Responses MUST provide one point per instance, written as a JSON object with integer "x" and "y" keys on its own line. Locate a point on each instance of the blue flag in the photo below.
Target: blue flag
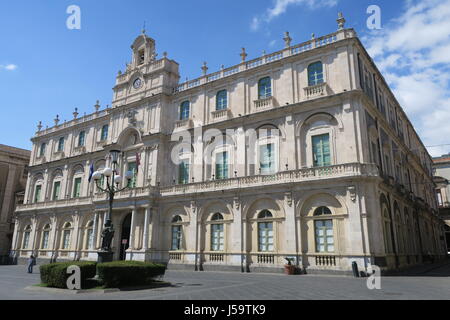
{"x": 91, "y": 172}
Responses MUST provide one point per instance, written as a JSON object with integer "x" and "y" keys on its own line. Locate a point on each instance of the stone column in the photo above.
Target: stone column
{"x": 76, "y": 230}
{"x": 54, "y": 235}
{"x": 290, "y": 235}
{"x": 33, "y": 234}
{"x": 147, "y": 228}
{"x": 94, "y": 232}
{"x": 236, "y": 233}
{"x": 133, "y": 229}
{"x": 15, "y": 237}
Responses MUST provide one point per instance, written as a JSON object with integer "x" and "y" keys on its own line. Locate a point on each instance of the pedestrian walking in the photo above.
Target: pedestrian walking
{"x": 31, "y": 263}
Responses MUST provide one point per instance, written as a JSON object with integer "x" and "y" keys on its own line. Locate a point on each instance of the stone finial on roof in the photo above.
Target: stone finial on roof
{"x": 75, "y": 113}
{"x": 243, "y": 55}
{"x": 39, "y": 126}
{"x": 341, "y": 21}
{"x": 165, "y": 54}
{"x": 204, "y": 68}
{"x": 56, "y": 120}
{"x": 313, "y": 36}
{"x": 287, "y": 39}
{"x": 97, "y": 106}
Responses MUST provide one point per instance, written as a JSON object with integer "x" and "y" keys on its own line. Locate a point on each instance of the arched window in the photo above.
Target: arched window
{"x": 184, "y": 110}
{"x": 323, "y": 230}
{"x": 221, "y": 100}
{"x": 61, "y": 144}
{"x": 45, "y": 236}
{"x": 315, "y": 73}
{"x": 387, "y": 231}
{"x": 264, "y": 88}
{"x": 265, "y": 232}
{"x": 90, "y": 235}
{"x": 37, "y": 193}
{"x": 104, "y": 133}
{"x": 268, "y": 149}
{"x": 217, "y": 233}
{"x": 42, "y": 149}
{"x": 26, "y": 237}
{"x": 177, "y": 232}
{"x": 66, "y": 236}
{"x": 81, "y": 138}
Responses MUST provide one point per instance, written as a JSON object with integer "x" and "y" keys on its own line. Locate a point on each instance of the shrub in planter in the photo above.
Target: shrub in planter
{"x": 55, "y": 274}
{"x": 129, "y": 273}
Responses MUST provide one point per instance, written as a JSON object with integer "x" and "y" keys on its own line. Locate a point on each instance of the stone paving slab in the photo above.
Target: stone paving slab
{"x": 191, "y": 285}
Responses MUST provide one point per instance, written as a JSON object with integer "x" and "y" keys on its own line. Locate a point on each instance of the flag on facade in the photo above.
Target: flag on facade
{"x": 91, "y": 171}
{"x": 138, "y": 161}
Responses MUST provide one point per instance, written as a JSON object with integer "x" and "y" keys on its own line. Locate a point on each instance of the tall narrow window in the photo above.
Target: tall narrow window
{"x": 183, "y": 172}
{"x": 264, "y": 88}
{"x": 321, "y": 150}
{"x": 221, "y": 100}
{"x": 56, "y": 190}
{"x": 315, "y": 74}
{"x": 61, "y": 144}
{"x": 217, "y": 234}
{"x": 26, "y": 237}
{"x": 37, "y": 193}
{"x": 265, "y": 232}
{"x": 222, "y": 165}
{"x": 104, "y": 132}
{"x": 323, "y": 231}
{"x": 141, "y": 56}
{"x": 81, "y": 138}
{"x": 45, "y": 236}
{"x": 66, "y": 239}
{"x": 184, "y": 110}
{"x": 77, "y": 188}
{"x": 267, "y": 158}
{"x": 132, "y": 168}
{"x": 42, "y": 150}
{"x": 176, "y": 233}
{"x": 90, "y": 235}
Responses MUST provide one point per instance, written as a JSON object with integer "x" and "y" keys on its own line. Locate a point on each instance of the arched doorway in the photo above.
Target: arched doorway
{"x": 125, "y": 236}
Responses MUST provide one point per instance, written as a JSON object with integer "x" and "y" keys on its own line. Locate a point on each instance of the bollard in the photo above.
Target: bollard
{"x": 355, "y": 269}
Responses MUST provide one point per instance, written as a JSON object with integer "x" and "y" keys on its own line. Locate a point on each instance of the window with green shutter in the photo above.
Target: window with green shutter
{"x": 222, "y": 165}
{"x": 217, "y": 237}
{"x": 56, "y": 190}
{"x": 61, "y": 144}
{"x": 324, "y": 236}
{"x": 132, "y": 168}
{"x": 37, "y": 193}
{"x": 81, "y": 138}
{"x": 321, "y": 150}
{"x": 77, "y": 188}
{"x": 183, "y": 172}
{"x": 104, "y": 133}
{"x": 176, "y": 238}
{"x": 221, "y": 100}
{"x": 265, "y": 236}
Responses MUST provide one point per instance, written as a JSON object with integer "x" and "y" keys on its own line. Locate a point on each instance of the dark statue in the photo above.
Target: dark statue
{"x": 107, "y": 235}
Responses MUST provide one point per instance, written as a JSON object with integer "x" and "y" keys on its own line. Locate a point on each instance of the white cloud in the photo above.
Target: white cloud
{"x": 280, "y": 7}
{"x": 413, "y": 53}
{"x": 9, "y": 67}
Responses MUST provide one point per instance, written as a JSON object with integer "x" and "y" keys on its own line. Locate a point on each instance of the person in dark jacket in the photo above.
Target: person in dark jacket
{"x": 31, "y": 263}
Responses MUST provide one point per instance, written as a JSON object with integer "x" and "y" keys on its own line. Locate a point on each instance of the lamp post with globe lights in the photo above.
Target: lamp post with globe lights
{"x": 113, "y": 181}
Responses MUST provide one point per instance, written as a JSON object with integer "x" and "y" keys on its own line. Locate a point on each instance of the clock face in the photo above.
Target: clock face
{"x": 137, "y": 83}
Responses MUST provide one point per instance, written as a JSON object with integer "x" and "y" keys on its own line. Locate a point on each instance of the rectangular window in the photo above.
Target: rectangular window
{"x": 66, "y": 239}
{"x": 176, "y": 238}
{"x": 324, "y": 235}
{"x": 132, "y": 168}
{"x": 37, "y": 193}
{"x": 104, "y": 133}
{"x": 321, "y": 150}
{"x": 222, "y": 165}
{"x": 265, "y": 236}
{"x": 26, "y": 240}
{"x": 61, "y": 144}
{"x": 56, "y": 190}
{"x": 90, "y": 239}
{"x": 81, "y": 139}
{"x": 42, "y": 150}
{"x": 439, "y": 197}
{"x": 183, "y": 172}
{"x": 77, "y": 188}
{"x": 45, "y": 239}
{"x": 217, "y": 238}
{"x": 267, "y": 158}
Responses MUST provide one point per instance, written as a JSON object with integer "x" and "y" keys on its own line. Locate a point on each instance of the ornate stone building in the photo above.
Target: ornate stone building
{"x": 13, "y": 178}
{"x": 442, "y": 175}
{"x": 301, "y": 153}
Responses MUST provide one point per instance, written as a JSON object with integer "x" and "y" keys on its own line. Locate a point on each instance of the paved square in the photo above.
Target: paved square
{"x": 187, "y": 285}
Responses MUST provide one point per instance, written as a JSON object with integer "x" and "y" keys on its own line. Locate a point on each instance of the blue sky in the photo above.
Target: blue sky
{"x": 47, "y": 69}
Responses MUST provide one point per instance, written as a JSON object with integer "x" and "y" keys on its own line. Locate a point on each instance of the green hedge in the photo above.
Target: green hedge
{"x": 55, "y": 274}
{"x": 129, "y": 273}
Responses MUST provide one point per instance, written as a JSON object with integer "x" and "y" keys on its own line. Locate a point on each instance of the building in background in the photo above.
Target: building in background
{"x": 442, "y": 176}
{"x": 13, "y": 178}
{"x": 311, "y": 157}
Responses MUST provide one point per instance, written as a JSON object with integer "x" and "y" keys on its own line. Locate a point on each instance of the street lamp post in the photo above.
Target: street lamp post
{"x": 113, "y": 180}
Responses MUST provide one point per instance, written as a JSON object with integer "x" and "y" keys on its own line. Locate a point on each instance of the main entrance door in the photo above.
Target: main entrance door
{"x": 125, "y": 236}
